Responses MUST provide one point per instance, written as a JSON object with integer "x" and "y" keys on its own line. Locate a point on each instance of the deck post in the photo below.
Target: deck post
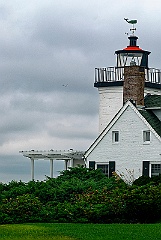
{"x": 32, "y": 169}
{"x": 66, "y": 164}
{"x": 51, "y": 168}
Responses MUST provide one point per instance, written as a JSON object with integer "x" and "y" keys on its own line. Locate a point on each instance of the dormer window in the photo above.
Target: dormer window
{"x": 146, "y": 136}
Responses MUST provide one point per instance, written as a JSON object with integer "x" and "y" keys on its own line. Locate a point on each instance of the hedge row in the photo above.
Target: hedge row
{"x": 81, "y": 195}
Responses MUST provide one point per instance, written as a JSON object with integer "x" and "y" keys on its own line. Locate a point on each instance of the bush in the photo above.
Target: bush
{"x": 143, "y": 180}
{"x": 25, "y": 208}
{"x": 143, "y": 204}
{"x": 81, "y": 173}
{"x": 81, "y": 195}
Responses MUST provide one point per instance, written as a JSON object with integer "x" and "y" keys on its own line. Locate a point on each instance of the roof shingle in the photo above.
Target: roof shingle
{"x": 152, "y": 101}
{"x": 152, "y": 119}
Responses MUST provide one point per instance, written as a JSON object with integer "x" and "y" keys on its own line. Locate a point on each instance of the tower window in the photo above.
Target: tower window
{"x": 146, "y": 136}
{"x": 115, "y": 136}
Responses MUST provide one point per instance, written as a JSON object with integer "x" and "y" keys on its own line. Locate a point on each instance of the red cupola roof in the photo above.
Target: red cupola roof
{"x": 135, "y": 48}
{"x": 132, "y": 46}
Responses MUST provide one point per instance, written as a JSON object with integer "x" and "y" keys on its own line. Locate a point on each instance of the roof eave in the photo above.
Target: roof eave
{"x": 153, "y": 108}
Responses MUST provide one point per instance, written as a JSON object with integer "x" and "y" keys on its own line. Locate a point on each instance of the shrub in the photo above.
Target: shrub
{"x": 143, "y": 204}
{"x": 25, "y": 208}
{"x": 81, "y": 195}
{"x": 143, "y": 180}
{"x": 81, "y": 173}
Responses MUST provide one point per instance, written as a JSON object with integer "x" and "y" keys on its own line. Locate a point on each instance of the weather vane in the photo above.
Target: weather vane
{"x": 133, "y": 29}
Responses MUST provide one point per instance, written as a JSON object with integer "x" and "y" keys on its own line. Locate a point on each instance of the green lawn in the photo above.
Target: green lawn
{"x": 64, "y": 231}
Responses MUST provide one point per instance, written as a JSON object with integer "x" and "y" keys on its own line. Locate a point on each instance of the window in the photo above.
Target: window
{"x": 155, "y": 169}
{"x": 115, "y": 136}
{"x": 92, "y": 164}
{"x": 151, "y": 168}
{"x": 146, "y": 136}
{"x": 104, "y": 168}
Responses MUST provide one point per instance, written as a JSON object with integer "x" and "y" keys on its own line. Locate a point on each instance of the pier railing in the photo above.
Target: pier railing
{"x": 115, "y": 74}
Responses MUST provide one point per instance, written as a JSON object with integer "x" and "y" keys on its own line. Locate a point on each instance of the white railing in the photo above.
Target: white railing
{"x": 115, "y": 74}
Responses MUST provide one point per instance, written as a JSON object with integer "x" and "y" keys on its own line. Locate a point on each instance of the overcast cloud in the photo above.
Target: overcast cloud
{"x": 48, "y": 52}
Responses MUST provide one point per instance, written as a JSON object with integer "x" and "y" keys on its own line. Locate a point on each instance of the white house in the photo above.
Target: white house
{"x": 129, "y": 140}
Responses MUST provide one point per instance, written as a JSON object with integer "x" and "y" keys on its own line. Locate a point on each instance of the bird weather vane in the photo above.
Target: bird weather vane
{"x": 133, "y": 29}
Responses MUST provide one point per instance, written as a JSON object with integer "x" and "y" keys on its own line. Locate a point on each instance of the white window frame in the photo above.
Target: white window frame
{"x": 146, "y": 136}
{"x": 115, "y": 137}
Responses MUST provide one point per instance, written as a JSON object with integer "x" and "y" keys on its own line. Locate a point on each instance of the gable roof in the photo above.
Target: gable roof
{"x": 148, "y": 117}
{"x": 152, "y": 101}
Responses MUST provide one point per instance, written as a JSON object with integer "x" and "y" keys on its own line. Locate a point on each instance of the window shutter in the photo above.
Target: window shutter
{"x": 145, "y": 168}
{"x": 111, "y": 168}
{"x": 92, "y": 164}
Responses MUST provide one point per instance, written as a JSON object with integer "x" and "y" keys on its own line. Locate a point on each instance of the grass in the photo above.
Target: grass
{"x": 64, "y": 231}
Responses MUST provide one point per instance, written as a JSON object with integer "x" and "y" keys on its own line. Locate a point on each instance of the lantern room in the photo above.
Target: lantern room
{"x": 132, "y": 55}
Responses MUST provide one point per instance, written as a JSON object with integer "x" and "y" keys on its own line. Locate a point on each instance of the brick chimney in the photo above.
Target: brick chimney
{"x": 134, "y": 81}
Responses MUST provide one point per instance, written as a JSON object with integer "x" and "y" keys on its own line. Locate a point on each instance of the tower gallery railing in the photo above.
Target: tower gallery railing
{"x": 115, "y": 74}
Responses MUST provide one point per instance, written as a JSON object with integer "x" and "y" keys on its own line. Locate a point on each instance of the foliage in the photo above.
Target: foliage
{"x": 81, "y": 195}
{"x": 143, "y": 180}
{"x": 23, "y": 208}
{"x": 82, "y": 173}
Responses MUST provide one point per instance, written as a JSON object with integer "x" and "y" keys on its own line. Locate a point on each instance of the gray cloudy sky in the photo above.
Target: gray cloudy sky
{"x": 47, "y": 44}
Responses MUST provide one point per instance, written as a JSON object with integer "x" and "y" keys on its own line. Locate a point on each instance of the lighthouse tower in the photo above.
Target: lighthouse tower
{"x": 130, "y": 79}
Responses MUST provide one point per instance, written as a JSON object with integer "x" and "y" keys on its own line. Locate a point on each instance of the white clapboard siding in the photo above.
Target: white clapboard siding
{"x": 110, "y": 101}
